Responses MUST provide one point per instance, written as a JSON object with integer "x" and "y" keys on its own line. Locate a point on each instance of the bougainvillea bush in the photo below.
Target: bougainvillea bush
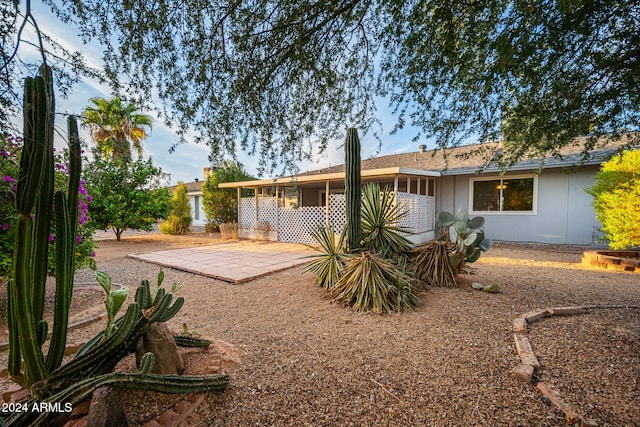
{"x": 10, "y": 151}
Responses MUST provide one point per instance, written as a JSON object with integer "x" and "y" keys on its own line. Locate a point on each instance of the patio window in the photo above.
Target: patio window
{"x": 503, "y": 194}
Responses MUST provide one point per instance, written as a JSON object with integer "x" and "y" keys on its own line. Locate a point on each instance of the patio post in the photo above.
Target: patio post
{"x": 255, "y": 193}
{"x": 278, "y": 211}
{"x": 239, "y": 195}
{"x": 326, "y": 203}
{"x": 418, "y": 187}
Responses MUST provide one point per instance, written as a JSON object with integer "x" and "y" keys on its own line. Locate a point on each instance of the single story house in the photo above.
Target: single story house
{"x": 532, "y": 201}
{"x": 194, "y": 193}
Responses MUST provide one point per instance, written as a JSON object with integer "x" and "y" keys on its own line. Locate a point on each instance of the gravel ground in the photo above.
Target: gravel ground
{"x": 308, "y": 361}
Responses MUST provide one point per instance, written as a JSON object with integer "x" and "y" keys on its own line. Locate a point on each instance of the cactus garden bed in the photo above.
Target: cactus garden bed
{"x": 306, "y": 361}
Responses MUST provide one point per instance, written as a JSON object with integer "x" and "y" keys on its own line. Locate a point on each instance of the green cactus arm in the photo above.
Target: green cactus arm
{"x": 147, "y": 362}
{"x": 171, "y": 311}
{"x": 64, "y": 281}
{"x": 44, "y": 199}
{"x": 21, "y": 302}
{"x": 13, "y": 364}
{"x": 31, "y": 171}
{"x": 143, "y": 295}
{"x": 191, "y": 341}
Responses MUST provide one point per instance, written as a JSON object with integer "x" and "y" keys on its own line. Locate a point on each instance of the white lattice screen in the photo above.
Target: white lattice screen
{"x": 247, "y": 215}
{"x": 267, "y": 213}
{"x": 296, "y": 224}
{"x": 337, "y": 211}
{"x": 421, "y": 210}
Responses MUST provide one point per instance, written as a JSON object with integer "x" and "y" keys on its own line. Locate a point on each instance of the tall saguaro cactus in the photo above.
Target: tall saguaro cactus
{"x": 352, "y": 184}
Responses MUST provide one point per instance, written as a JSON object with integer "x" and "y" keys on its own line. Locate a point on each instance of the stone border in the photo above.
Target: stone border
{"x": 529, "y": 362}
{"x": 614, "y": 260}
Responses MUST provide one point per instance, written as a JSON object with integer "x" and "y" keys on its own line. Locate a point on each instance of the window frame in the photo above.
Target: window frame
{"x": 534, "y": 207}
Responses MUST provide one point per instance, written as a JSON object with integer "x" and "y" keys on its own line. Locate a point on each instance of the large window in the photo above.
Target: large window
{"x": 503, "y": 194}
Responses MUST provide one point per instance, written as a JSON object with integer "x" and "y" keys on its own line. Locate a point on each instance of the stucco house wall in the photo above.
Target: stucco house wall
{"x": 563, "y": 210}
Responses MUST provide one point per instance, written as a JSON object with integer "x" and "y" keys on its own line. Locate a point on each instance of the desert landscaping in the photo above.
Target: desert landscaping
{"x": 296, "y": 358}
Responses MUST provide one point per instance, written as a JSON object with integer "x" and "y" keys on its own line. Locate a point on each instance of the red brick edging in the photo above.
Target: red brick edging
{"x": 529, "y": 362}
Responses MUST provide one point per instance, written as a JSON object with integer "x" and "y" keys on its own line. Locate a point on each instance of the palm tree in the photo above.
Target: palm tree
{"x": 115, "y": 127}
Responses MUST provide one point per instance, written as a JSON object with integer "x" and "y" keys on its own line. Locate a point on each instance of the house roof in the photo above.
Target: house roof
{"x": 463, "y": 160}
{"x": 329, "y": 176}
{"x": 192, "y": 187}
{"x": 468, "y": 159}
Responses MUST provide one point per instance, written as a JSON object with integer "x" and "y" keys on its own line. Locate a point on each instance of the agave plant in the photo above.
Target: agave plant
{"x": 380, "y": 219}
{"x": 370, "y": 282}
{"x": 331, "y": 259}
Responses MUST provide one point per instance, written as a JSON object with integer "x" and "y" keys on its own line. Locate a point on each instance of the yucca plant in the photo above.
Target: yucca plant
{"x": 430, "y": 263}
{"x": 380, "y": 219}
{"x": 369, "y": 282}
{"x": 331, "y": 259}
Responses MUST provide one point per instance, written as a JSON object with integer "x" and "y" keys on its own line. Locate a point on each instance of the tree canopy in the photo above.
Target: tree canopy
{"x": 126, "y": 195}
{"x": 279, "y": 79}
{"x": 220, "y": 205}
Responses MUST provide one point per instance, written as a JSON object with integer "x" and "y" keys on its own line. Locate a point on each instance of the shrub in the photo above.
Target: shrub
{"x": 179, "y": 219}
{"x": 616, "y": 194}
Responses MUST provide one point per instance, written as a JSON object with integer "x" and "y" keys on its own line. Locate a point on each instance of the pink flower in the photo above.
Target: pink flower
{"x": 51, "y": 238}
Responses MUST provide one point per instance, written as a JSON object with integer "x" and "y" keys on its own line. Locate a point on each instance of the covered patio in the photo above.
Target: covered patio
{"x": 288, "y": 209}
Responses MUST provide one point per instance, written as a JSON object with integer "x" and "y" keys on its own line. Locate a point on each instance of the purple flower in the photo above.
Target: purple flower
{"x": 8, "y": 179}
{"x": 51, "y": 238}
{"x": 5, "y": 227}
{"x": 93, "y": 254}
{"x": 78, "y": 239}
{"x": 89, "y": 199}
{"x": 4, "y": 153}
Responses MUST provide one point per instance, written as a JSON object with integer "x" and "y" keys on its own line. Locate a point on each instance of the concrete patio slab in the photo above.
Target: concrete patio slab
{"x": 235, "y": 262}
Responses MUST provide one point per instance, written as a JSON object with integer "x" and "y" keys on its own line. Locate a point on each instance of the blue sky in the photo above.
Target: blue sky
{"x": 187, "y": 161}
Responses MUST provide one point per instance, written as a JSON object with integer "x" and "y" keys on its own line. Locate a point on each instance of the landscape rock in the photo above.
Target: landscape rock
{"x": 107, "y": 409}
{"x": 159, "y": 341}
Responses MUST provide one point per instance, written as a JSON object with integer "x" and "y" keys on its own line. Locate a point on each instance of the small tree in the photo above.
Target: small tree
{"x": 616, "y": 194}
{"x": 179, "y": 219}
{"x": 220, "y": 205}
{"x": 126, "y": 195}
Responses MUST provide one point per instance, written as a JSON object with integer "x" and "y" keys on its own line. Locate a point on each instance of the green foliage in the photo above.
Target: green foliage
{"x": 113, "y": 300}
{"x": 378, "y": 279}
{"x": 329, "y": 263}
{"x": 179, "y": 219}
{"x": 616, "y": 194}
{"x": 10, "y": 154}
{"x": 115, "y": 127}
{"x": 352, "y": 190}
{"x": 380, "y": 217}
{"x": 487, "y": 68}
{"x": 126, "y": 195}
{"x": 220, "y": 205}
{"x": 369, "y": 282}
{"x": 466, "y": 234}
